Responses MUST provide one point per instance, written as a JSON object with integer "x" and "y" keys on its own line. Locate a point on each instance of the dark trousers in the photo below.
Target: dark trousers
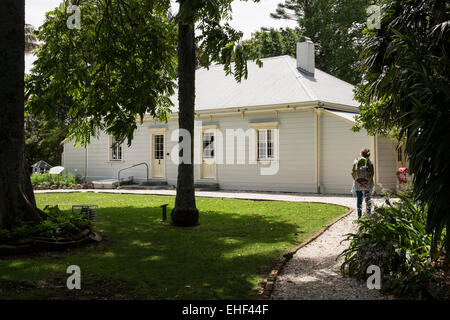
{"x": 359, "y": 200}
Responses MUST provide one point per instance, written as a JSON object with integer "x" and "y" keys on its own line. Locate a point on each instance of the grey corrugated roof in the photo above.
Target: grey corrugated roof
{"x": 277, "y": 82}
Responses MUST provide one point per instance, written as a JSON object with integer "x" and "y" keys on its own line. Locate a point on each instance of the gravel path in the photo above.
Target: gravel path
{"x": 313, "y": 272}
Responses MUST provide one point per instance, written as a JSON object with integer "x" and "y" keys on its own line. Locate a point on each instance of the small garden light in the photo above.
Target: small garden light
{"x": 164, "y": 212}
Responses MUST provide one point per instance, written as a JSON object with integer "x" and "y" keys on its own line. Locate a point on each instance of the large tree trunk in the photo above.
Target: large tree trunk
{"x": 185, "y": 212}
{"x": 16, "y": 195}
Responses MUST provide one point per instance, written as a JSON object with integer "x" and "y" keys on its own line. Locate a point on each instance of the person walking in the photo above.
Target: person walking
{"x": 362, "y": 174}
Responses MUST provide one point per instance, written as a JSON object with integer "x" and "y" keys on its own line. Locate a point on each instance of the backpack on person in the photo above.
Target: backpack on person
{"x": 362, "y": 171}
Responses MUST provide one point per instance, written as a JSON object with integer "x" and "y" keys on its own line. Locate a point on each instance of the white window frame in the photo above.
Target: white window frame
{"x": 267, "y": 145}
{"x": 267, "y": 126}
{"x": 118, "y": 148}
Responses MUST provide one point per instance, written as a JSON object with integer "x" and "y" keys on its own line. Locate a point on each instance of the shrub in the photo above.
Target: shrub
{"x": 57, "y": 224}
{"x": 49, "y": 179}
{"x": 68, "y": 180}
{"x": 79, "y": 179}
{"x": 41, "y": 178}
{"x": 395, "y": 239}
{"x": 35, "y": 179}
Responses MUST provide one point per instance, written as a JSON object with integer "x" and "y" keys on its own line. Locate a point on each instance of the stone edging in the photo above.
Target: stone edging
{"x": 268, "y": 283}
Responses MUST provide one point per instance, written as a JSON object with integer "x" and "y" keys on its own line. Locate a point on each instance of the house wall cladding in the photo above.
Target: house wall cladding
{"x": 387, "y": 165}
{"x": 99, "y": 164}
{"x": 338, "y": 148}
{"x": 73, "y": 159}
{"x": 295, "y": 161}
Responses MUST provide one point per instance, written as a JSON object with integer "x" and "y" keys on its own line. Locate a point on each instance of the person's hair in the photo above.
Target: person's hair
{"x": 365, "y": 152}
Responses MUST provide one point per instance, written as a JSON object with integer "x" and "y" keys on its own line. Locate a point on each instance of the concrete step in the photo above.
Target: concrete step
{"x": 201, "y": 186}
{"x": 206, "y": 186}
{"x": 141, "y": 187}
{"x": 154, "y": 183}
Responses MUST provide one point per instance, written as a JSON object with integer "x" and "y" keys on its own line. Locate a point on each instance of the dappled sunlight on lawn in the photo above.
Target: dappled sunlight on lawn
{"x": 224, "y": 257}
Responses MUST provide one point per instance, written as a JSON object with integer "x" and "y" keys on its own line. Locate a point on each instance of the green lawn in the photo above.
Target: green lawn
{"x": 141, "y": 257}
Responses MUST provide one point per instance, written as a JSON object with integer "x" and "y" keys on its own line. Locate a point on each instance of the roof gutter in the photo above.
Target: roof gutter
{"x": 246, "y": 110}
{"x": 339, "y": 107}
{"x": 296, "y": 106}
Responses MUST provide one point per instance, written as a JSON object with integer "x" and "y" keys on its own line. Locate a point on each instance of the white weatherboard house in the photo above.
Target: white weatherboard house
{"x": 287, "y": 118}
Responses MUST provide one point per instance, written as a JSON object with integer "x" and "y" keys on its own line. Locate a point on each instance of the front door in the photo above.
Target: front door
{"x": 158, "y": 156}
{"x": 208, "y": 168}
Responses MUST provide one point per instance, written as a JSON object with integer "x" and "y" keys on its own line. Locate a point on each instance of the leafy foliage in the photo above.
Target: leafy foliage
{"x": 120, "y": 65}
{"x": 44, "y": 134}
{"x": 335, "y": 26}
{"x": 49, "y": 179}
{"x": 405, "y": 91}
{"x": 30, "y": 39}
{"x": 231, "y": 53}
{"x": 271, "y": 42}
{"x": 57, "y": 224}
{"x": 217, "y": 42}
{"x": 393, "y": 238}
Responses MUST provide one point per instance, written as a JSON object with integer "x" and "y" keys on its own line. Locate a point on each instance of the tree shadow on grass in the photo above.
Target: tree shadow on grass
{"x": 222, "y": 258}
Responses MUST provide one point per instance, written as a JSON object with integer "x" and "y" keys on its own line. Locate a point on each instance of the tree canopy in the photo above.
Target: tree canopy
{"x": 271, "y": 42}
{"x": 335, "y": 26}
{"x": 120, "y": 65}
{"x": 44, "y": 134}
{"x": 405, "y": 91}
{"x": 123, "y": 63}
{"x": 30, "y": 39}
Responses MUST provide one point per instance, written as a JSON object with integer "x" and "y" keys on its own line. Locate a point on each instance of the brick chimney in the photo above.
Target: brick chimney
{"x": 305, "y": 55}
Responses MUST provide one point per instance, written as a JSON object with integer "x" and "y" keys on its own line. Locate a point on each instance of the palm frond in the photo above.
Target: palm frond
{"x": 31, "y": 40}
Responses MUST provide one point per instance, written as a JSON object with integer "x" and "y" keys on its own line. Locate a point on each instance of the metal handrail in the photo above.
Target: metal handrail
{"x": 139, "y": 164}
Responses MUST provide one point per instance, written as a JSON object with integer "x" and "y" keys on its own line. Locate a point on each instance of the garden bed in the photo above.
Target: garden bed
{"x": 46, "y": 181}
{"x": 56, "y": 187}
